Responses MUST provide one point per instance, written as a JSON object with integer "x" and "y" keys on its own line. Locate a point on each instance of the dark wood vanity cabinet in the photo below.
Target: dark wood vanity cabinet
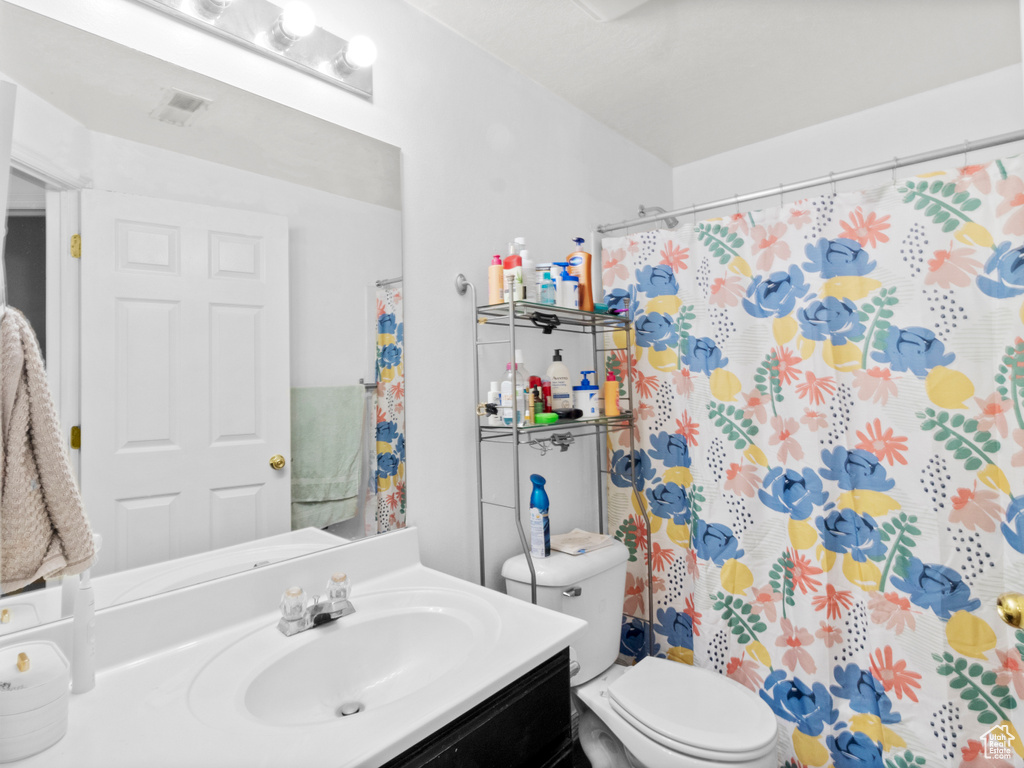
{"x": 525, "y": 725}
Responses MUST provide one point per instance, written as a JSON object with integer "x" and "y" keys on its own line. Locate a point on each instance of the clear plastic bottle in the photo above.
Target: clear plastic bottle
{"x": 513, "y": 396}
{"x": 547, "y": 290}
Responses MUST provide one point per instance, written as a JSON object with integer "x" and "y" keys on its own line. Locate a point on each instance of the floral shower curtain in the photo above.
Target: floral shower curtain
{"x": 389, "y": 478}
{"x": 830, "y": 401}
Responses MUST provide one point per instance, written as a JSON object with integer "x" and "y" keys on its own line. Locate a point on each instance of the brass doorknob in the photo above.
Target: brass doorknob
{"x": 277, "y": 461}
{"x": 1010, "y": 605}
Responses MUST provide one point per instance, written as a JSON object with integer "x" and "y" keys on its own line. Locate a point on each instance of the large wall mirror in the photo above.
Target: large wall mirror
{"x": 231, "y": 341}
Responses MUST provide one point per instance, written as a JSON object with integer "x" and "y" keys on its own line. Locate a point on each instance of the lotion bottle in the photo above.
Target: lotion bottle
{"x": 561, "y": 387}
{"x": 495, "y": 280}
{"x": 83, "y": 651}
{"x": 579, "y": 266}
{"x": 529, "y": 277}
{"x": 611, "y": 396}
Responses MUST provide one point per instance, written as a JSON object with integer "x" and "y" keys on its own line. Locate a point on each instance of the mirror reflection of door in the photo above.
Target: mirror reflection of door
{"x": 184, "y": 376}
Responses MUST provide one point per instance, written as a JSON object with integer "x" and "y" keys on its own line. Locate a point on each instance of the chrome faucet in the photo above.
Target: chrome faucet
{"x": 298, "y": 616}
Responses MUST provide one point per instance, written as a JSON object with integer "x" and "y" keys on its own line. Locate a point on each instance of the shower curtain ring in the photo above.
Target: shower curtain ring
{"x": 832, "y": 181}
{"x": 693, "y": 212}
{"x": 966, "y": 147}
{"x": 736, "y": 200}
{"x": 782, "y": 202}
{"x": 895, "y": 165}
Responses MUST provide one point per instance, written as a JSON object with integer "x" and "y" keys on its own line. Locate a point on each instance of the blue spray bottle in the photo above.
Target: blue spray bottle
{"x": 540, "y": 527}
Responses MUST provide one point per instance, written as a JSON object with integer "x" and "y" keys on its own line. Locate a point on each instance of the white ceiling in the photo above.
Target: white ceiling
{"x": 112, "y": 89}
{"x": 687, "y": 79}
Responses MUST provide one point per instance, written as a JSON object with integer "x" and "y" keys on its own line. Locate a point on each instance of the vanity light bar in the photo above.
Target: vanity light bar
{"x": 256, "y": 25}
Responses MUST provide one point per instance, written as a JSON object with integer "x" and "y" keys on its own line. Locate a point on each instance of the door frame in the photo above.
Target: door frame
{"x": 63, "y": 284}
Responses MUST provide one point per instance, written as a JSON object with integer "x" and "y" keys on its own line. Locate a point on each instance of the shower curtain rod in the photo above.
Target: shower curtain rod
{"x": 389, "y": 281}
{"x": 866, "y": 170}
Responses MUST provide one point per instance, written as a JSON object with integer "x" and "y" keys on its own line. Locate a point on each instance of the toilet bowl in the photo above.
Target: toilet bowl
{"x": 657, "y": 713}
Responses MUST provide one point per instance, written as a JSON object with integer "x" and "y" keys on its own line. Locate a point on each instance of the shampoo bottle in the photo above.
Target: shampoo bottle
{"x": 494, "y": 396}
{"x": 579, "y": 266}
{"x": 611, "y": 396}
{"x": 561, "y": 388}
{"x": 514, "y": 279}
{"x": 512, "y": 398}
{"x": 586, "y": 395}
{"x": 540, "y": 525}
{"x": 495, "y": 279}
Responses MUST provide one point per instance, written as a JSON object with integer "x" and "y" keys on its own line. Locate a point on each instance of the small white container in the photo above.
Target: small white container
{"x": 34, "y": 702}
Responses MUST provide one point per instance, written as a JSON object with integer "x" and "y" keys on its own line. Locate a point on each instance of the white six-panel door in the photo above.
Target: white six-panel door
{"x": 185, "y": 376}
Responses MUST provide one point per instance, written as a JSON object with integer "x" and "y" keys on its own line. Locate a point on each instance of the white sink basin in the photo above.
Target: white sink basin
{"x": 395, "y": 645}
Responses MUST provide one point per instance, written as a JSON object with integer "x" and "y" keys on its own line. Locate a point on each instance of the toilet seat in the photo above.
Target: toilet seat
{"x": 694, "y": 711}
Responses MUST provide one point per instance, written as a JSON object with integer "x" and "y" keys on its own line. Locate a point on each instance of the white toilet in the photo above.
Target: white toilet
{"x": 658, "y": 713}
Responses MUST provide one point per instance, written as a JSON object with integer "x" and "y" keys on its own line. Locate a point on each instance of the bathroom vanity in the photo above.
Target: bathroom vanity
{"x": 429, "y": 671}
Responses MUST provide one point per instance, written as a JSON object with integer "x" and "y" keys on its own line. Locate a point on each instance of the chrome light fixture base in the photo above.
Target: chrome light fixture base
{"x": 252, "y": 24}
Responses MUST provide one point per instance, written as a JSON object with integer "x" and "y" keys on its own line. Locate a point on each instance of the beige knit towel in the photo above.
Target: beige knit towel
{"x": 43, "y": 530}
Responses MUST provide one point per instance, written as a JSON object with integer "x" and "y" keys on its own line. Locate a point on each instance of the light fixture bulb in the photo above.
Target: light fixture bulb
{"x": 297, "y": 20}
{"x": 361, "y": 52}
{"x": 211, "y": 9}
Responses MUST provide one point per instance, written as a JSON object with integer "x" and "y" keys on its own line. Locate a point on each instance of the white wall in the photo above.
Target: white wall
{"x": 976, "y": 108}
{"x": 487, "y": 155}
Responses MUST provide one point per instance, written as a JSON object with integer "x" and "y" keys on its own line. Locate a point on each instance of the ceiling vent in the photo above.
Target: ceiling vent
{"x": 178, "y": 107}
{"x": 607, "y": 10}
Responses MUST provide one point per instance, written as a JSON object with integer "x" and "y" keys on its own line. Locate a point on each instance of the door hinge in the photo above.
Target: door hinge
{"x": 76, "y": 438}
{"x": 76, "y": 246}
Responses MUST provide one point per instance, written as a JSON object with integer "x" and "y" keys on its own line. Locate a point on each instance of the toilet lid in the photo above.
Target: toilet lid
{"x": 684, "y": 707}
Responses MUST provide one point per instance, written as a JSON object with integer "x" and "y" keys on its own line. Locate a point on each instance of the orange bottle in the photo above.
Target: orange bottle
{"x": 579, "y": 266}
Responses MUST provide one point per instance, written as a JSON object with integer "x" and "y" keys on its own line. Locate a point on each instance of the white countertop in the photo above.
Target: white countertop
{"x": 139, "y": 713}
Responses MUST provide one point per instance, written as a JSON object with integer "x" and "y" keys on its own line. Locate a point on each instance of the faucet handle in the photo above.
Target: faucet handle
{"x": 293, "y": 604}
{"x": 338, "y": 587}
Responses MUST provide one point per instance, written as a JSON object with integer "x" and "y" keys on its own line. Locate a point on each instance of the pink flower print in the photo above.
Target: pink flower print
{"x": 636, "y": 589}
{"x": 1011, "y": 670}
{"x": 645, "y": 411}
{"x": 787, "y": 365}
{"x": 866, "y": 230}
{"x": 614, "y": 268}
{"x": 794, "y": 639}
{"x": 783, "y": 436}
{"x": 893, "y": 610}
{"x": 765, "y": 599}
{"x": 1018, "y": 457}
{"x": 695, "y": 616}
{"x": 952, "y": 267}
{"x": 688, "y": 429}
{"x": 633, "y": 247}
{"x": 875, "y": 384}
{"x": 829, "y": 635}
{"x": 815, "y": 388}
{"x": 692, "y": 566}
{"x": 976, "y": 509}
{"x": 974, "y": 757}
{"x": 745, "y": 671}
{"x": 674, "y": 256}
{"x": 976, "y": 176}
{"x": 726, "y": 291}
{"x": 766, "y": 242}
{"x": 798, "y": 217}
{"x": 814, "y": 420}
{"x": 754, "y": 406}
{"x": 894, "y": 675}
{"x": 1012, "y": 190}
{"x": 992, "y": 409}
{"x": 742, "y": 479}
{"x": 683, "y": 382}
{"x": 738, "y": 221}
{"x": 885, "y": 445}
{"x": 832, "y": 602}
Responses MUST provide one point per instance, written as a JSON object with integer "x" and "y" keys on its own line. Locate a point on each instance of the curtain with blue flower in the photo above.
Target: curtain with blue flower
{"x": 389, "y": 476}
{"x": 830, "y": 431}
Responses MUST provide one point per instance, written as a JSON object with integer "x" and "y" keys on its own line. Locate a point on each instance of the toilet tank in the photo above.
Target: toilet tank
{"x": 600, "y": 577}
